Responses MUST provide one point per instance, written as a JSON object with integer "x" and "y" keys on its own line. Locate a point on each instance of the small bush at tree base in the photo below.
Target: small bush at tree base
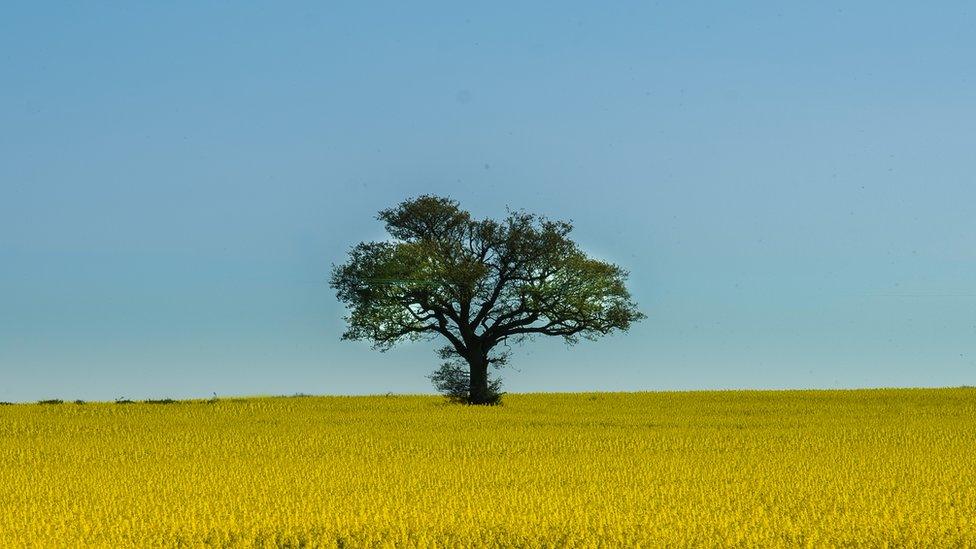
{"x": 453, "y": 381}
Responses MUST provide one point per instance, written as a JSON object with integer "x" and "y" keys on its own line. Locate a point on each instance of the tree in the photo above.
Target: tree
{"x": 477, "y": 284}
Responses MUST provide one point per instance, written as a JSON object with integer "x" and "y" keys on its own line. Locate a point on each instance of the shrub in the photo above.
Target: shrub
{"x": 452, "y": 380}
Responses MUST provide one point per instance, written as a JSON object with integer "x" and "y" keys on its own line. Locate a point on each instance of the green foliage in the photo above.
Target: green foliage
{"x": 477, "y": 283}
{"x": 453, "y": 380}
{"x": 51, "y": 401}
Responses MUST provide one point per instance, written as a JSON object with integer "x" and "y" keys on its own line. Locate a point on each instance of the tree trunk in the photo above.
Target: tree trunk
{"x": 478, "y": 389}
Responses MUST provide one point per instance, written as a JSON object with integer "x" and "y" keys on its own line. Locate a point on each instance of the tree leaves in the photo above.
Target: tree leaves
{"x": 477, "y": 282}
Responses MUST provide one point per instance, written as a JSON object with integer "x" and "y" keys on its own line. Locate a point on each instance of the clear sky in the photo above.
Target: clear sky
{"x": 791, "y": 186}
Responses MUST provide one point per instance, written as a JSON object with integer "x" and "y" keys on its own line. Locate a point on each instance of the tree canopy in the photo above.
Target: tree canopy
{"x": 477, "y": 284}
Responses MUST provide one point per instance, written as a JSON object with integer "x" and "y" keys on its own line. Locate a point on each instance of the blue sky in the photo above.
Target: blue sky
{"x": 791, "y": 186}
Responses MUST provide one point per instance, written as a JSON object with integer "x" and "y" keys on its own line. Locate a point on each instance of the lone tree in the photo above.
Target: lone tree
{"x": 476, "y": 283}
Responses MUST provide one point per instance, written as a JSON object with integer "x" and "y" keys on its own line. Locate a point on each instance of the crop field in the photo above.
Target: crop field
{"x": 736, "y": 468}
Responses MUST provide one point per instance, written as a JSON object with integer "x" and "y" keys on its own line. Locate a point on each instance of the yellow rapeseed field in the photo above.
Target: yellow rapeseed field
{"x": 739, "y": 468}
